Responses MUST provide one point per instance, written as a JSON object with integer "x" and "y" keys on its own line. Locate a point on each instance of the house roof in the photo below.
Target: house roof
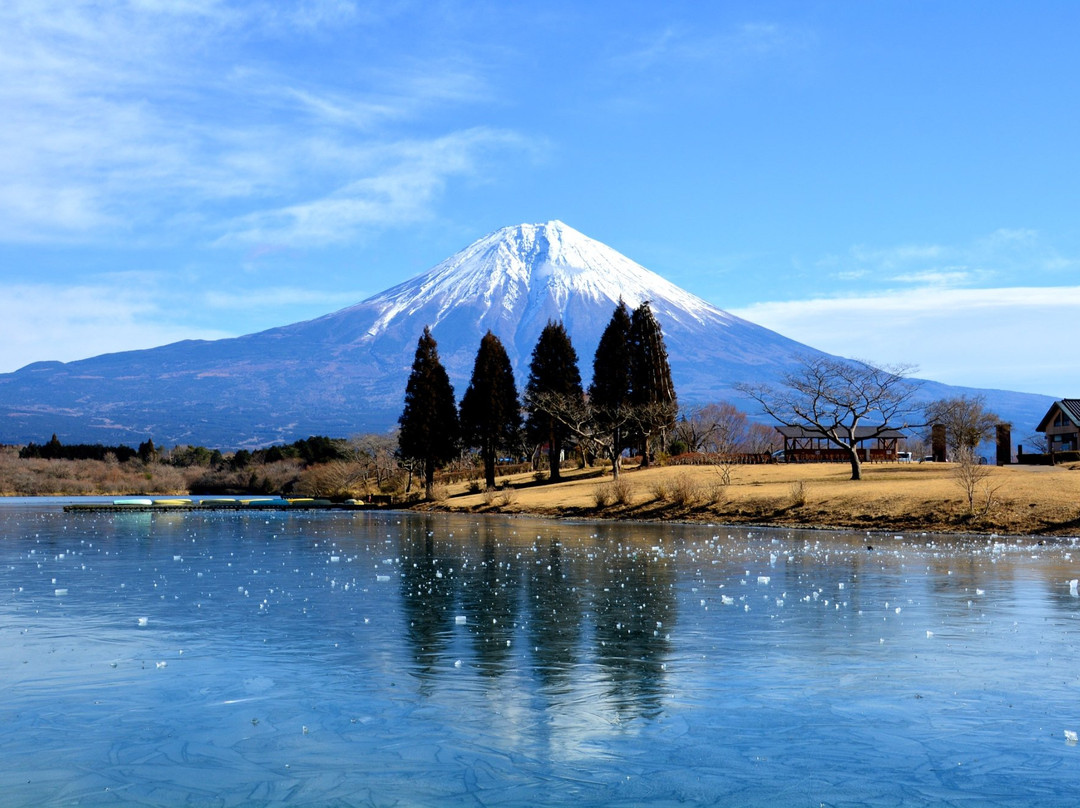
{"x": 861, "y": 432}
{"x": 1069, "y": 406}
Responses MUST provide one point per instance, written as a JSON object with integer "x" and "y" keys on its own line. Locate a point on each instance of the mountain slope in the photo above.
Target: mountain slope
{"x": 345, "y": 372}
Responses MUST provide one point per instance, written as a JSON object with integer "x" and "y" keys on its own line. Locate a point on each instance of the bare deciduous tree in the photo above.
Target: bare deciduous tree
{"x": 966, "y": 420}
{"x": 833, "y": 397}
{"x": 972, "y": 475}
{"x": 595, "y": 436}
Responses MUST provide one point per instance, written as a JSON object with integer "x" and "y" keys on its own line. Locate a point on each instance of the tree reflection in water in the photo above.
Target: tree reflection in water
{"x": 555, "y": 603}
{"x": 427, "y": 594}
{"x": 528, "y": 607}
{"x": 490, "y": 594}
{"x": 634, "y": 611}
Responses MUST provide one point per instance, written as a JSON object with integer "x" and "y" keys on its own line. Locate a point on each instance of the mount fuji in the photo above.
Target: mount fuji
{"x": 345, "y": 372}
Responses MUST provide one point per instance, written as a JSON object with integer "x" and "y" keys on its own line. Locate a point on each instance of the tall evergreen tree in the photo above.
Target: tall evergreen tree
{"x": 429, "y": 422}
{"x": 554, "y": 384}
{"x": 652, "y": 391}
{"x": 610, "y": 390}
{"x": 490, "y": 413}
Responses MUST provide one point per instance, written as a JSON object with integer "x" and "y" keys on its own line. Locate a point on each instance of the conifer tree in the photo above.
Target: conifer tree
{"x": 610, "y": 390}
{"x": 652, "y": 391}
{"x": 554, "y": 385}
{"x": 429, "y": 422}
{"x": 490, "y": 413}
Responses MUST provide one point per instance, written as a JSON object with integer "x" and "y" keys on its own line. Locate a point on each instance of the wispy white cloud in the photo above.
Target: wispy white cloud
{"x": 1002, "y": 258}
{"x": 1007, "y": 338}
{"x": 132, "y": 310}
{"x": 66, "y": 322}
{"x": 948, "y": 276}
{"x": 283, "y": 298}
{"x": 119, "y": 116}
{"x": 398, "y": 188}
{"x": 682, "y": 46}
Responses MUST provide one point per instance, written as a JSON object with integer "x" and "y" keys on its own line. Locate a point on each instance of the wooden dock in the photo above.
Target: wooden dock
{"x": 172, "y": 504}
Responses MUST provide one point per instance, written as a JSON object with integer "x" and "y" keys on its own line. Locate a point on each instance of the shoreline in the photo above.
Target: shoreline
{"x": 1012, "y": 501}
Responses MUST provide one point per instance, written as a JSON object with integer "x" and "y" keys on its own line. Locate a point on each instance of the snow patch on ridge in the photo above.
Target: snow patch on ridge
{"x": 528, "y": 267}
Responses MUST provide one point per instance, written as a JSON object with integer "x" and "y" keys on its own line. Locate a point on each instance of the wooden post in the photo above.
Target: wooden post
{"x": 1004, "y": 444}
{"x": 937, "y": 442}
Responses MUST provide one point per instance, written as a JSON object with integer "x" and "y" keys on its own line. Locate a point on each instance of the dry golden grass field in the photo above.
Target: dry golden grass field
{"x": 1019, "y": 500}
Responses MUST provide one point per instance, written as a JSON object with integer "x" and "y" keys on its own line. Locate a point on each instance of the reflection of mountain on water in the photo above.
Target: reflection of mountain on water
{"x": 531, "y": 610}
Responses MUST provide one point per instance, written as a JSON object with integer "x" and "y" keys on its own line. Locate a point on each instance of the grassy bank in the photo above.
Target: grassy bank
{"x": 1018, "y": 500}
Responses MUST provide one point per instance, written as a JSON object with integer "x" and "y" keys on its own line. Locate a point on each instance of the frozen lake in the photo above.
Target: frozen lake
{"x": 391, "y": 659}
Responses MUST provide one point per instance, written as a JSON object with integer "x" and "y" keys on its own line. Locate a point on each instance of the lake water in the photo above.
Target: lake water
{"x": 392, "y": 659}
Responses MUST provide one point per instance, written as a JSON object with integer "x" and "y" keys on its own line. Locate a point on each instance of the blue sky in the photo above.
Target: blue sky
{"x": 896, "y": 181}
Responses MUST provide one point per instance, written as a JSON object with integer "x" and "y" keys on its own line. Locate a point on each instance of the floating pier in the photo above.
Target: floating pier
{"x": 157, "y": 504}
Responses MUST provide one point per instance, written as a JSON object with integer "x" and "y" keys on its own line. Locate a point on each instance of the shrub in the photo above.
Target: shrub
{"x": 717, "y": 492}
{"x": 798, "y": 493}
{"x": 623, "y": 491}
{"x": 685, "y": 491}
{"x": 603, "y": 495}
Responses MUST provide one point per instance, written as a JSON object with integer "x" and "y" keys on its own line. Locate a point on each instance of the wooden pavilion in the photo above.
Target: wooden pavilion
{"x": 809, "y": 445}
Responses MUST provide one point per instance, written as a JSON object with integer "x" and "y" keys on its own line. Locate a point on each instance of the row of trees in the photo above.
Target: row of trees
{"x": 311, "y": 451}
{"x": 630, "y": 402}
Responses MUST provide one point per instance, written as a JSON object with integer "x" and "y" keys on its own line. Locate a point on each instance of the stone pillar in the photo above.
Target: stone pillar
{"x": 937, "y": 443}
{"x": 1004, "y": 444}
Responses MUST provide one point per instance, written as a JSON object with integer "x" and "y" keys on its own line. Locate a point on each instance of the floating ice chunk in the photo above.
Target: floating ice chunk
{"x": 335, "y": 559}
{"x": 726, "y": 600}
{"x": 1072, "y": 587}
{"x": 460, "y": 620}
{"x": 763, "y": 579}
{"x": 382, "y": 578}
{"x": 457, "y": 663}
{"x": 143, "y": 621}
{"x": 1070, "y": 736}
{"x": 60, "y": 592}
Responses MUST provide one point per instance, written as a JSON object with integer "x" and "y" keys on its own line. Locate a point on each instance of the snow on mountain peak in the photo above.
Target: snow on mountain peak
{"x": 534, "y": 268}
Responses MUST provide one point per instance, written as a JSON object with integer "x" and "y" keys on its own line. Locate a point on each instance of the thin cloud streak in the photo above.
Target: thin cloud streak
{"x": 400, "y": 193}
{"x": 64, "y": 323}
{"x": 976, "y": 337}
{"x": 119, "y": 120}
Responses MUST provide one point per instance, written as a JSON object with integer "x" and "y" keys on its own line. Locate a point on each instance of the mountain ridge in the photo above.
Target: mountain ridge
{"x": 345, "y": 372}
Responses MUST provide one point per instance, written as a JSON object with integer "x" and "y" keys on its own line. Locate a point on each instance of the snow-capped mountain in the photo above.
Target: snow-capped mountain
{"x": 345, "y": 372}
